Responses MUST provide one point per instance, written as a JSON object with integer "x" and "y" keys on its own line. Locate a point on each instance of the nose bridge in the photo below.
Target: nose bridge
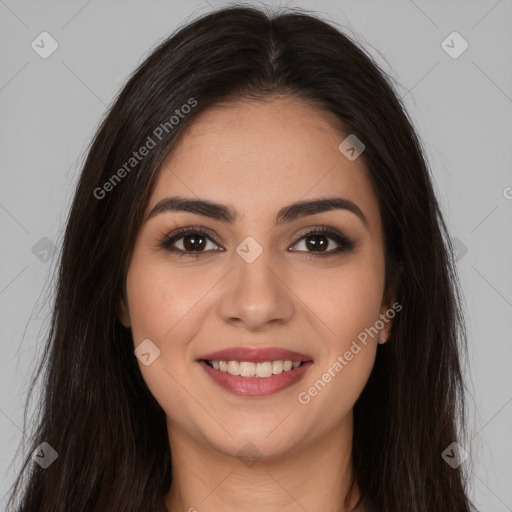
{"x": 255, "y": 268}
{"x": 256, "y": 293}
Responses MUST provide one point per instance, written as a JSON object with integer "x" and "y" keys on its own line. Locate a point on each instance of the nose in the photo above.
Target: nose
{"x": 256, "y": 294}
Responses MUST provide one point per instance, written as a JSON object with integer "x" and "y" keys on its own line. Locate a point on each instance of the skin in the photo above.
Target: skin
{"x": 258, "y": 157}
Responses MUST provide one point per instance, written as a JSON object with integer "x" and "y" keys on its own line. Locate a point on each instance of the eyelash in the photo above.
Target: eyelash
{"x": 345, "y": 244}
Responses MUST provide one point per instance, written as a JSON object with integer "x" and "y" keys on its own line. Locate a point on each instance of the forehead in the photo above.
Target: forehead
{"x": 261, "y": 155}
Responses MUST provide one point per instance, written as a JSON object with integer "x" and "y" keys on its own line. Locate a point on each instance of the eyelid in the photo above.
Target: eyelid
{"x": 344, "y": 242}
{"x": 168, "y": 239}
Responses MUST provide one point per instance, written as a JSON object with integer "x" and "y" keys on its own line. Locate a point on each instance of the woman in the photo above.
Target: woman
{"x": 257, "y": 305}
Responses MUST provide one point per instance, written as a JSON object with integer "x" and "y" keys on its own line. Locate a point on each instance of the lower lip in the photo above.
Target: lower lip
{"x": 256, "y": 386}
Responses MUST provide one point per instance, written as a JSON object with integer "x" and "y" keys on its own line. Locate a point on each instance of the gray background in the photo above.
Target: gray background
{"x": 462, "y": 109}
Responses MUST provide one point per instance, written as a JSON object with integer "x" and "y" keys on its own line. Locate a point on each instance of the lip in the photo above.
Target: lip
{"x": 255, "y": 386}
{"x": 255, "y": 355}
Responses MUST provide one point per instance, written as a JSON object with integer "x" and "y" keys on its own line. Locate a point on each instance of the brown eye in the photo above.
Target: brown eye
{"x": 320, "y": 241}
{"x": 189, "y": 241}
{"x": 195, "y": 242}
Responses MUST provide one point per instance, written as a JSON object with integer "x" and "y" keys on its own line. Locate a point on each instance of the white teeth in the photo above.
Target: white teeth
{"x": 233, "y": 367}
{"x": 264, "y": 369}
{"x": 246, "y": 369}
{"x": 249, "y": 369}
{"x": 277, "y": 367}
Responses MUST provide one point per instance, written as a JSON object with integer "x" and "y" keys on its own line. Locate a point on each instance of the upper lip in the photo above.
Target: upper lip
{"x": 255, "y": 355}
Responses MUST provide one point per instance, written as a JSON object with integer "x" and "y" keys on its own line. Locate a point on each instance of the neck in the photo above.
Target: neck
{"x": 315, "y": 477}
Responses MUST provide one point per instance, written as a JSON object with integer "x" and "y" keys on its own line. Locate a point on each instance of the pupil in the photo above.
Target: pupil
{"x": 193, "y": 242}
{"x": 321, "y": 242}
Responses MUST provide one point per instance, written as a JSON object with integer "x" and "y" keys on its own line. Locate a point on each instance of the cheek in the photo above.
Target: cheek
{"x": 166, "y": 308}
{"x": 161, "y": 301}
{"x": 346, "y": 300}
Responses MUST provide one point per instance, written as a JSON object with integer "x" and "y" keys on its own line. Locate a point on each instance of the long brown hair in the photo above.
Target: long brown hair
{"x": 96, "y": 410}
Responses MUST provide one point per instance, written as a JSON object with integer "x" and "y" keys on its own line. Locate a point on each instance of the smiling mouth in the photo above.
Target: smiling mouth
{"x": 259, "y": 370}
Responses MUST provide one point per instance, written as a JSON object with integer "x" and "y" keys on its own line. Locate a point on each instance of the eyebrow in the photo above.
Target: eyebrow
{"x": 228, "y": 214}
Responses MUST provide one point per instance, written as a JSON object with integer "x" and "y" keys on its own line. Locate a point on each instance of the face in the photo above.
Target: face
{"x": 260, "y": 283}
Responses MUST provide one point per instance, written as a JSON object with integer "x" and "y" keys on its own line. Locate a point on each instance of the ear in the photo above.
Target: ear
{"x": 389, "y": 303}
{"x": 386, "y": 330}
{"x": 123, "y": 313}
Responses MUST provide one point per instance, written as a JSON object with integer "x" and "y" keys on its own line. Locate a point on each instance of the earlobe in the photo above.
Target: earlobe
{"x": 389, "y": 303}
{"x": 383, "y": 335}
{"x": 386, "y": 329}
